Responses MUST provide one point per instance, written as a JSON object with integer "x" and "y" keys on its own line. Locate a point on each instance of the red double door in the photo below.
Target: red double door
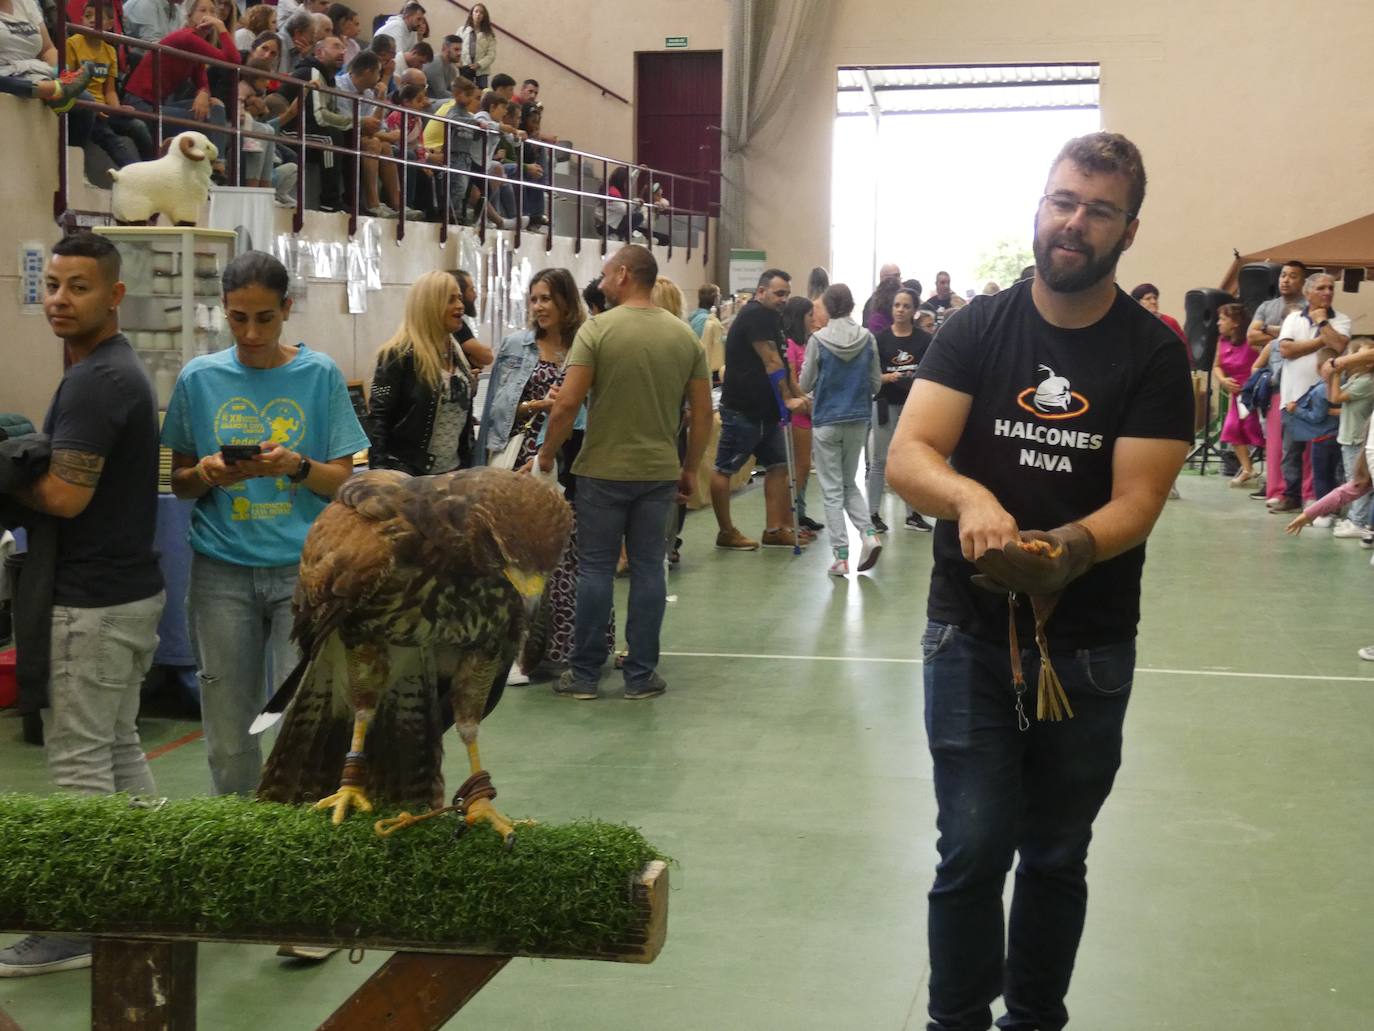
{"x": 677, "y": 119}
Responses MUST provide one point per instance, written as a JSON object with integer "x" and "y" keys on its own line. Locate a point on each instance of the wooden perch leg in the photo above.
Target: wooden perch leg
{"x": 414, "y": 991}
{"x": 143, "y": 985}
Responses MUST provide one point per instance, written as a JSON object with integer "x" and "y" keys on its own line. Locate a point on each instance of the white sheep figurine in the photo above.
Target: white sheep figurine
{"x": 174, "y": 185}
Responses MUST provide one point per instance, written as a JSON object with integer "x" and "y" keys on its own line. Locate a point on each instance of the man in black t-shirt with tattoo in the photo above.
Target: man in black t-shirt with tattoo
{"x": 1052, "y": 417}
{"x": 107, "y": 591}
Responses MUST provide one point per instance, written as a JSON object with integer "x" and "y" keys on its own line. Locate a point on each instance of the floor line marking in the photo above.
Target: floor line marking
{"x": 1163, "y": 671}
{"x": 171, "y": 746}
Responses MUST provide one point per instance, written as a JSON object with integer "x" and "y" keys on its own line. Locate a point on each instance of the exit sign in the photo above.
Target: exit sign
{"x": 675, "y": 42}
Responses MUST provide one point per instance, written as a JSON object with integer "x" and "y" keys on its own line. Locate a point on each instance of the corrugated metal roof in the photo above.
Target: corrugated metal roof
{"x": 948, "y": 88}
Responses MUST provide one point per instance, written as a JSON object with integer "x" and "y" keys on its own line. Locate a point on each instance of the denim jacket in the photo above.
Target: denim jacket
{"x": 510, "y": 372}
{"x": 841, "y": 367}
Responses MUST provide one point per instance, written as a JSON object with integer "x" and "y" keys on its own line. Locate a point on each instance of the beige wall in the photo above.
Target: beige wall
{"x": 1247, "y": 134}
{"x": 599, "y": 40}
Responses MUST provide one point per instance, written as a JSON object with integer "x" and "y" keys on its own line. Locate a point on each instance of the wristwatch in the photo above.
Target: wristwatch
{"x": 300, "y": 474}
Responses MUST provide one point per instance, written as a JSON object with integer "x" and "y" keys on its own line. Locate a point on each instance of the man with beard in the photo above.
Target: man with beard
{"x": 1044, "y": 429}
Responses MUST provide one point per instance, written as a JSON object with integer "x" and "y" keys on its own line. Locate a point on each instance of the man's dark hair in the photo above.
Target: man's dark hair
{"x": 838, "y": 301}
{"x": 638, "y": 264}
{"x": 1295, "y": 264}
{"x": 1109, "y": 152}
{"x": 263, "y": 37}
{"x": 592, "y": 295}
{"x": 338, "y": 14}
{"x": 424, "y": 51}
{"x": 464, "y": 278}
{"x": 381, "y": 44}
{"x": 86, "y": 244}
{"x": 914, "y": 285}
{"x": 708, "y": 295}
{"x": 770, "y": 274}
{"x": 365, "y": 61}
{"x": 501, "y": 80}
{"x": 494, "y": 100}
{"x": 1144, "y": 290}
{"x": 462, "y": 86}
{"x": 412, "y": 7}
{"x": 408, "y": 92}
{"x": 531, "y": 82}
{"x": 452, "y": 40}
{"x": 255, "y": 268}
{"x": 301, "y": 21}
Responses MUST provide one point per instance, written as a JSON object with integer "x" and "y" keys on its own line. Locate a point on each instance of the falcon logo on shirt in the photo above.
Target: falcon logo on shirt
{"x": 1053, "y": 398}
{"x": 903, "y": 357}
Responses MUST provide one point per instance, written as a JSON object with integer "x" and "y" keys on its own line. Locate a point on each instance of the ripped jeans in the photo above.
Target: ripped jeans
{"x": 240, "y": 620}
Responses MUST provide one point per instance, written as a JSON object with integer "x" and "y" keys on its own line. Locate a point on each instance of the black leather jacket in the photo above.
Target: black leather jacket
{"x": 400, "y": 419}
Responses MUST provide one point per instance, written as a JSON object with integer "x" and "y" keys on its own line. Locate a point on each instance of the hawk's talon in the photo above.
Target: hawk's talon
{"x": 348, "y": 797}
{"x": 482, "y": 811}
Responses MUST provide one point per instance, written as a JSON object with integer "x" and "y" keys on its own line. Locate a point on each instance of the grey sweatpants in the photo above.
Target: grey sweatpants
{"x": 835, "y": 451}
{"x": 878, "y": 444}
{"x": 99, "y": 659}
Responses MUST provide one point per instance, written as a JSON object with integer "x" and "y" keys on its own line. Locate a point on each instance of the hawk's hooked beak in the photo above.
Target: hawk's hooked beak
{"x": 529, "y": 585}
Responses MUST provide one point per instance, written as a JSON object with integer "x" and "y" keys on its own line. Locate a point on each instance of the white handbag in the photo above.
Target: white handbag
{"x": 505, "y": 458}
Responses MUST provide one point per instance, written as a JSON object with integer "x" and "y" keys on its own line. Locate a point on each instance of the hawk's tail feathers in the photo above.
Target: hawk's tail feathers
{"x": 276, "y": 705}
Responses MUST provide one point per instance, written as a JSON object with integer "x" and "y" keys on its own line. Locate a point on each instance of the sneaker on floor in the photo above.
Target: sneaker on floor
{"x": 733, "y": 540}
{"x": 44, "y": 954}
{"x": 650, "y": 687}
{"x": 877, "y": 522}
{"x": 1243, "y": 479}
{"x": 310, "y": 952}
{"x": 1366, "y": 653}
{"x": 1260, "y": 495}
{"x": 840, "y": 567}
{"x": 917, "y": 522}
{"x": 1321, "y": 522}
{"x": 1174, "y": 495}
{"x": 806, "y": 523}
{"x": 1367, "y": 540}
{"x": 1346, "y": 530}
{"x": 1281, "y": 505}
{"x": 784, "y": 538}
{"x": 517, "y": 677}
{"x": 872, "y": 548}
{"x": 806, "y": 536}
{"x": 570, "y": 687}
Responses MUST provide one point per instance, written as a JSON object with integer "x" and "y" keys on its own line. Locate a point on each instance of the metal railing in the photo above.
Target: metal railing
{"x": 696, "y": 211}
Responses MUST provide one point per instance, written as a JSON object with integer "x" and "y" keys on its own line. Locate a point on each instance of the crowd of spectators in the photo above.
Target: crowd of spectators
{"x": 476, "y": 134}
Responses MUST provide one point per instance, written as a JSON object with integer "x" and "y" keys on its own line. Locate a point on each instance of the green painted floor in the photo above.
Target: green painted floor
{"x": 1230, "y": 873}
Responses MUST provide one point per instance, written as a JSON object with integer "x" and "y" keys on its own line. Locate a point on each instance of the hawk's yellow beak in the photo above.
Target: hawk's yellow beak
{"x": 529, "y": 585}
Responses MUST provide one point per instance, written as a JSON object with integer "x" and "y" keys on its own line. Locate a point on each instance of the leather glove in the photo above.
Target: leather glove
{"x": 1040, "y": 563}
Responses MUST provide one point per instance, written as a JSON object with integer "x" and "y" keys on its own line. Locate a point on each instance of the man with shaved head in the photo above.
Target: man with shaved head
{"x": 639, "y": 364}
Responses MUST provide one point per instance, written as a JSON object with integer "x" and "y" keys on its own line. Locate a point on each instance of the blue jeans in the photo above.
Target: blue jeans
{"x": 182, "y": 109}
{"x": 1000, "y": 791}
{"x": 607, "y": 511}
{"x": 240, "y": 620}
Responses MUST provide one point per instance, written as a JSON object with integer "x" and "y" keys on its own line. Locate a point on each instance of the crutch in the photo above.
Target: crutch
{"x": 785, "y": 418}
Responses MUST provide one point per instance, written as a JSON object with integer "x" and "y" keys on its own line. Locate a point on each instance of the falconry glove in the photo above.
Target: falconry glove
{"x": 1041, "y": 565}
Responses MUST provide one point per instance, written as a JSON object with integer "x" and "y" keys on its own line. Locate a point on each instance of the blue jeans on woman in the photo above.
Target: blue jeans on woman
{"x": 607, "y": 511}
{"x": 240, "y": 620}
{"x": 1003, "y": 790}
{"x": 182, "y": 109}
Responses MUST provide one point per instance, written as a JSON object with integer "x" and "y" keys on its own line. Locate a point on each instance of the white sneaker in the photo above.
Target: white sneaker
{"x": 840, "y": 567}
{"x": 1347, "y": 530}
{"x": 1366, "y": 653}
{"x": 1322, "y": 523}
{"x": 872, "y": 548}
{"x": 517, "y": 677}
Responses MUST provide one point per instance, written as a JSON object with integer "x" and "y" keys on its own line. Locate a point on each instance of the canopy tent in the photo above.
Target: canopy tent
{"x": 1349, "y": 245}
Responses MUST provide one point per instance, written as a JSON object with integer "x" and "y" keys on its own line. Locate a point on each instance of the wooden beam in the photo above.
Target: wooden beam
{"x": 414, "y": 991}
{"x": 143, "y": 986}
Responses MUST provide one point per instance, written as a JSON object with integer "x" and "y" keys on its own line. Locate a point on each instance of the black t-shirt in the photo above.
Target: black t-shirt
{"x": 1048, "y": 407}
{"x": 746, "y": 388}
{"x": 942, "y": 310}
{"x": 105, "y": 406}
{"x": 900, "y": 354}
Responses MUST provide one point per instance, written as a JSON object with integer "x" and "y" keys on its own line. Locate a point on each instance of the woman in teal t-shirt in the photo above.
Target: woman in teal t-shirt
{"x": 262, "y": 435}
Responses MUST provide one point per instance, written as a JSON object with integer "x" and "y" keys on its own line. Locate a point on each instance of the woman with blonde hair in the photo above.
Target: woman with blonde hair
{"x": 525, "y": 378}
{"x": 667, "y": 296}
{"x": 420, "y": 411}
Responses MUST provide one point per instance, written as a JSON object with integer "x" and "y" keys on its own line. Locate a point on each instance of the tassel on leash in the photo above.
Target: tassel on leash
{"x": 1051, "y": 700}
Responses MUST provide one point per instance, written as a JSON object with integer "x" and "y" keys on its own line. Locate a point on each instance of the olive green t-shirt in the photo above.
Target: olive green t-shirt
{"x": 641, "y": 360}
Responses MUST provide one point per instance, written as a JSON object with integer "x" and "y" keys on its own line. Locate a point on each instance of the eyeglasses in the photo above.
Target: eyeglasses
{"x": 1065, "y": 205}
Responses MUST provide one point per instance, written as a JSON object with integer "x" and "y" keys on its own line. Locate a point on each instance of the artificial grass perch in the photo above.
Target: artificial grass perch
{"x": 248, "y": 870}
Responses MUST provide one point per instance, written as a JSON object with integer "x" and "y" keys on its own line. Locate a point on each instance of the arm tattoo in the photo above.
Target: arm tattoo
{"x": 79, "y": 468}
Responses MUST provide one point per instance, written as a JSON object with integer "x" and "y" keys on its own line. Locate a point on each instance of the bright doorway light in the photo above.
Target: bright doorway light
{"x": 942, "y": 168}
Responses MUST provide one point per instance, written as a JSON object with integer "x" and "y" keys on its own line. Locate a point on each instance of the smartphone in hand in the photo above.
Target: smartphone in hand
{"x": 235, "y": 453}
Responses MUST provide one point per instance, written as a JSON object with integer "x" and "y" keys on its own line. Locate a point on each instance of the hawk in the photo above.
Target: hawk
{"x": 409, "y": 587}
